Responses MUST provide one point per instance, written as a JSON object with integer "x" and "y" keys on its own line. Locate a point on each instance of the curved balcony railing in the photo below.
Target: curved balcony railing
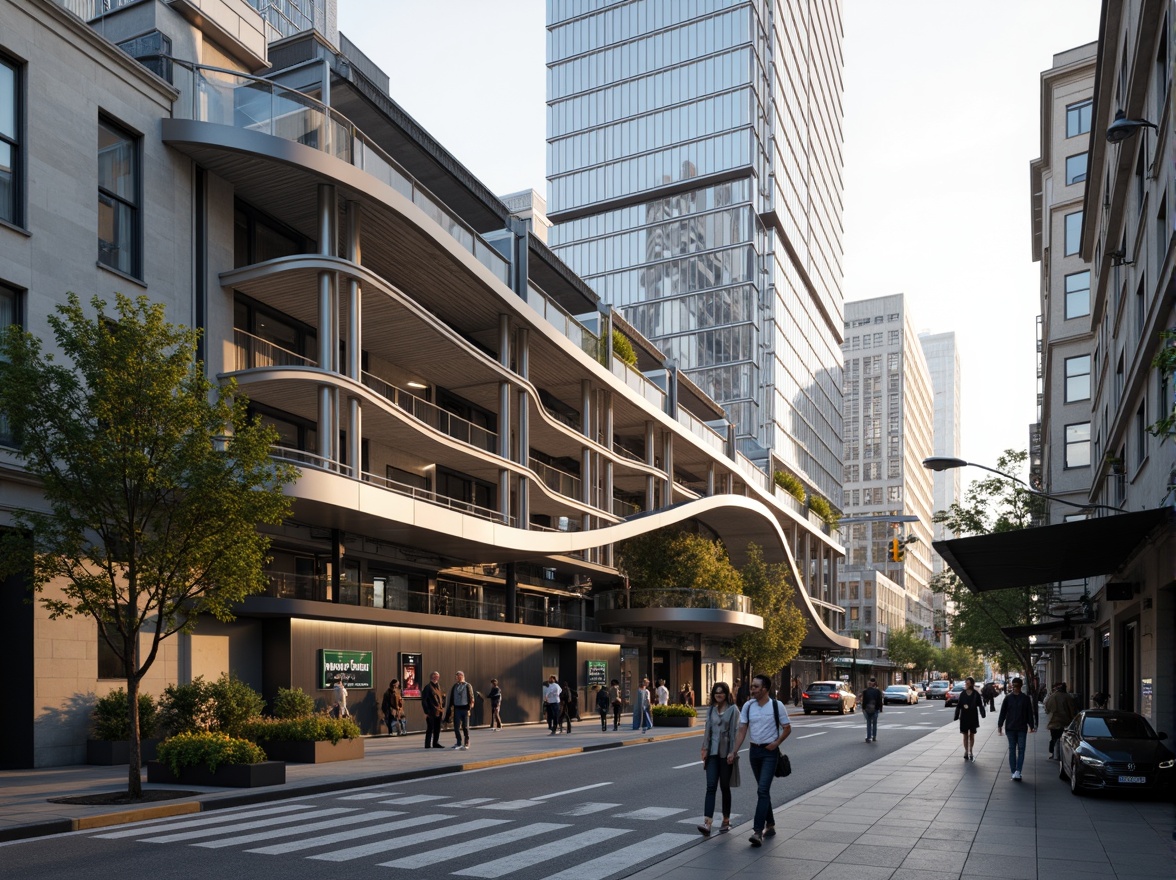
{"x": 434, "y": 416}
{"x": 227, "y": 97}
{"x": 253, "y": 352}
{"x": 556, "y": 480}
{"x": 441, "y": 500}
{"x": 716, "y": 441}
{"x": 640, "y": 383}
{"x": 671, "y": 597}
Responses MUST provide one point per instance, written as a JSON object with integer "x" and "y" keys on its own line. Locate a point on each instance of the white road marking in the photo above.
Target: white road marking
{"x": 512, "y": 805}
{"x": 267, "y": 822}
{"x": 273, "y": 833}
{"x": 818, "y": 733}
{"x": 546, "y": 797}
{"x": 623, "y": 858}
{"x": 520, "y": 861}
{"x": 367, "y": 795}
{"x": 357, "y": 852}
{"x": 476, "y": 847}
{"x": 651, "y": 813}
{"x": 352, "y": 834}
{"x": 588, "y": 808}
{"x": 691, "y": 764}
{"x": 472, "y": 802}
{"x": 205, "y": 819}
{"x": 416, "y": 799}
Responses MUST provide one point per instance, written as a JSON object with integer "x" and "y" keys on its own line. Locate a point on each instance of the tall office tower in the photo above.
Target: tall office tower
{"x": 694, "y": 171}
{"x": 889, "y": 419}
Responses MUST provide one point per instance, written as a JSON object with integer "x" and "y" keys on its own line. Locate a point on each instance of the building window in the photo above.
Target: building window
{"x": 1078, "y": 295}
{"x": 1073, "y": 233}
{"x": 10, "y": 122}
{"x": 1075, "y": 168}
{"x": 1140, "y": 434}
{"x": 109, "y": 664}
{"x": 1078, "y": 118}
{"x": 10, "y": 303}
{"x": 118, "y": 199}
{"x": 1078, "y": 378}
{"x": 1078, "y": 445}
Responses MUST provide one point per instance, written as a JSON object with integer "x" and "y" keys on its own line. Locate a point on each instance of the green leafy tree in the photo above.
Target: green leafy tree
{"x": 154, "y": 481}
{"x": 770, "y": 589}
{"x": 990, "y": 506}
{"x": 908, "y": 650}
{"x": 959, "y": 661}
{"x": 667, "y": 559}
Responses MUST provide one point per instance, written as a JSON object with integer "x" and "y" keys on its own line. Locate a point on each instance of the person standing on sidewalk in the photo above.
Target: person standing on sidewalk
{"x": 614, "y": 693}
{"x": 871, "y": 701}
{"x": 602, "y": 707}
{"x": 551, "y": 692}
{"x": 1059, "y": 706}
{"x": 722, "y": 720}
{"x": 433, "y": 705}
{"x": 969, "y": 711}
{"x": 566, "y": 709}
{"x": 988, "y": 694}
{"x": 767, "y": 720}
{"x": 494, "y": 695}
{"x": 663, "y": 693}
{"x": 461, "y": 703}
{"x": 641, "y": 717}
{"x": 1017, "y": 719}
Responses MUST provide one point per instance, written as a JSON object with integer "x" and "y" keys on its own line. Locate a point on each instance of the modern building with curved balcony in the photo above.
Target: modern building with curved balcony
{"x": 470, "y": 447}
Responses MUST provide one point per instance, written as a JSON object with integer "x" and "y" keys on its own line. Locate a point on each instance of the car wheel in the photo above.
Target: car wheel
{"x": 1074, "y": 788}
{"x": 808, "y": 711}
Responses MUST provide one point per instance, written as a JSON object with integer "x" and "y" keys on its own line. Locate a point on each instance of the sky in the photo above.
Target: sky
{"x": 942, "y": 109}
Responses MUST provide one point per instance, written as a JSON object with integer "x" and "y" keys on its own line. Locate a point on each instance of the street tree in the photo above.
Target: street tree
{"x": 993, "y": 505}
{"x": 908, "y": 650}
{"x": 154, "y": 481}
{"x": 958, "y": 661}
{"x": 677, "y": 560}
{"x": 770, "y": 589}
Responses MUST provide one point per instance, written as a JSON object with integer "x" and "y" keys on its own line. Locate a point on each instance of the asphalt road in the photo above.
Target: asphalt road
{"x": 582, "y": 817}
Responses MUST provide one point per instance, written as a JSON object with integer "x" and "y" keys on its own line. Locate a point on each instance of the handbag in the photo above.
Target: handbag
{"x": 783, "y": 765}
{"x": 734, "y": 783}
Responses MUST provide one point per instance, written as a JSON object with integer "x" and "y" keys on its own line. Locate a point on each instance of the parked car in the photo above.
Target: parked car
{"x": 938, "y": 689}
{"x": 953, "y": 696}
{"x": 898, "y": 693}
{"x": 828, "y": 696}
{"x": 1113, "y": 750}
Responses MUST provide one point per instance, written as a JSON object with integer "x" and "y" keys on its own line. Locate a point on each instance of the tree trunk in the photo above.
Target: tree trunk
{"x": 135, "y": 765}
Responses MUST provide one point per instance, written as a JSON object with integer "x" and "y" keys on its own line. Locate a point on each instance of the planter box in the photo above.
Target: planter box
{"x": 674, "y": 721}
{"x": 107, "y": 752}
{"x": 296, "y": 752}
{"x": 228, "y": 775}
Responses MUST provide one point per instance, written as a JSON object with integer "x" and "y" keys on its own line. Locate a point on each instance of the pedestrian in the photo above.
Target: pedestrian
{"x": 742, "y": 692}
{"x": 461, "y": 703}
{"x": 566, "y": 713}
{"x": 602, "y": 706}
{"x": 1017, "y": 719}
{"x": 494, "y": 695}
{"x": 795, "y": 691}
{"x": 392, "y": 707}
{"x": 433, "y": 705}
{"x": 1101, "y": 699}
{"x": 969, "y": 711}
{"x": 722, "y": 720}
{"x": 614, "y": 692}
{"x": 1061, "y": 710}
{"x": 551, "y": 692}
{"x": 641, "y": 717}
{"x": 766, "y": 718}
{"x": 663, "y": 693}
{"x": 339, "y": 710}
{"x": 871, "y": 700}
{"x": 988, "y": 695}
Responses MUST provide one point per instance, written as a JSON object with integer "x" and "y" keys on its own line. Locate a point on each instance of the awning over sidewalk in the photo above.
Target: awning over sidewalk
{"x": 1067, "y": 551}
{"x": 1037, "y": 629}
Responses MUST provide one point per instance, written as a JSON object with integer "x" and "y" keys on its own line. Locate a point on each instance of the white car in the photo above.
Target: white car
{"x": 898, "y": 693}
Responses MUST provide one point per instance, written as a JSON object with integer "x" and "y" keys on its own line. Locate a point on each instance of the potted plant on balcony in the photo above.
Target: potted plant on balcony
{"x": 298, "y": 735}
{"x": 211, "y": 758}
{"x": 674, "y": 715}
{"x": 110, "y": 729}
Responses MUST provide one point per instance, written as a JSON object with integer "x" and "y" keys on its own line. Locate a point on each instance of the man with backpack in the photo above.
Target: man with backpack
{"x": 766, "y": 719}
{"x": 871, "y": 700}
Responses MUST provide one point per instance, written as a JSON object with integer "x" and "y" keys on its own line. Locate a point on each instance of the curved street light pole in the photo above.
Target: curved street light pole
{"x": 945, "y": 462}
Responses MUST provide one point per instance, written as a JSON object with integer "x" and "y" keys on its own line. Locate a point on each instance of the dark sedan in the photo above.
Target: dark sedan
{"x": 1111, "y": 750}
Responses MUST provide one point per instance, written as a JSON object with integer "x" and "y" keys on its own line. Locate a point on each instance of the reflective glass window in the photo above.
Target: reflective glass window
{"x": 1073, "y": 233}
{"x": 1075, "y": 168}
{"x": 1078, "y": 294}
{"x": 1077, "y": 439}
{"x": 1077, "y": 378}
{"x": 118, "y": 199}
{"x": 10, "y": 141}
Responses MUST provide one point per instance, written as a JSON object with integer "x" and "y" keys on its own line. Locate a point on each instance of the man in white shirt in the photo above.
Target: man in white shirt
{"x": 551, "y": 692}
{"x": 663, "y": 693}
{"x": 758, "y": 716}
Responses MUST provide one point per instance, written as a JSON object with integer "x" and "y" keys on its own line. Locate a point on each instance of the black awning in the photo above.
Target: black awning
{"x": 1037, "y": 629}
{"x": 1063, "y": 552}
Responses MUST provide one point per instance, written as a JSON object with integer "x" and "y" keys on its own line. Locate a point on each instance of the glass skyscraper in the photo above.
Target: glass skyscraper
{"x": 694, "y": 170}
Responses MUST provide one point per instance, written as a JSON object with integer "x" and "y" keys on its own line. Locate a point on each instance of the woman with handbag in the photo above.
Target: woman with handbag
{"x": 722, "y": 720}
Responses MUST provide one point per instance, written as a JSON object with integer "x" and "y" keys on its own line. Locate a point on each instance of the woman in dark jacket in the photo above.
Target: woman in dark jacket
{"x": 566, "y": 706}
{"x": 969, "y": 711}
{"x": 603, "y": 703}
{"x": 392, "y": 707}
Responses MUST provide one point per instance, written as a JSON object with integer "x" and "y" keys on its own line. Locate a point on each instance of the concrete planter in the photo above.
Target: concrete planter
{"x": 228, "y": 775}
{"x": 322, "y": 752}
{"x": 675, "y": 721}
{"x": 107, "y": 752}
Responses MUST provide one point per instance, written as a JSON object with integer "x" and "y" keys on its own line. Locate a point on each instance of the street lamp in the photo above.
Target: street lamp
{"x": 945, "y": 462}
{"x": 1123, "y": 128}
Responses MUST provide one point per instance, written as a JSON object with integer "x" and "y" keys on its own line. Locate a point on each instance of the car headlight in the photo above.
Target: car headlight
{"x": 1091, "y": 762}
{"x": 1168, "y": 765}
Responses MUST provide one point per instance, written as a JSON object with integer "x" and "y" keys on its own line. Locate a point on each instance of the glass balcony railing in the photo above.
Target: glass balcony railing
{"x": 716, "y": 441}
{"x": 253, "y": 352}
{"x": 587, "y": 341}
{"x": 672, "y": 597}
{"x": 432, "y": 415}
{"x": 556, "y": 480}
{"x": 639, "y": 383}
{"x": 226, "y": 97}
{"x": 441, "y": 500}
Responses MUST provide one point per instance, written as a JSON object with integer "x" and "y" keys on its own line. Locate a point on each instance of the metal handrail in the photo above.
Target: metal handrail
{"x": 434, "y": 416}
{"x": 253, "y": 352}
{"x": 671, "y": 597}
{"x": 440, "y": 500}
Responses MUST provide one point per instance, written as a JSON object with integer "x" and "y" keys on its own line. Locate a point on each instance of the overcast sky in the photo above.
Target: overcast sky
{"x": 941, "y": 122}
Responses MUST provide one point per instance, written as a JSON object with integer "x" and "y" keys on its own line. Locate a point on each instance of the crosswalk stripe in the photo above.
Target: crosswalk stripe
{"x": 512, "y": 805}
{"x": 587, "y": 809}
{"x": 623, "y": 858}
{"x": 698, "y": 820}
{"x": 367, "y": 795}
{"x": 246, "y": 826}
{"x": 818, "y": 733}
{"x": 290, "y": 846}
{"x": 292, "y": 832}
{"x": 520, "y": 861}
{"x": 650, "y": 813}
{"x": 472, "y": 802}
{"x": 416, "y": 799}
{"x": 356, "y": 852}
{"x": 457, "y": 850}
{"x": 205, "y": 819}
{"x": 555, "y": 794}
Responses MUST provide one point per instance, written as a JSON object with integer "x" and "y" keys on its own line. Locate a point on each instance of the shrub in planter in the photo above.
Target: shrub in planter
{"x": 234, "y": 704}
{"x": 224, "y": 705}
{"x": 110, "y": 719}
{"x": 674, "y": 710}
{"x": 207, "y": 749}
{"x": 293, "y": 703}
{"x": 311, "y": 728}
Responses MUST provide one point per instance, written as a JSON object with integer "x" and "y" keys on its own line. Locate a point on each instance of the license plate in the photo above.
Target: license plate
{"x": 1124, "y": 780}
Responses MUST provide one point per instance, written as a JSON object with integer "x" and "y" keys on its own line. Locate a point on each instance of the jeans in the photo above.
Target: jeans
{"x": 496, "y": 715}
{"x": 616, "y": 710}
{"x": 871, "y": 724}
{"x": 432, "y": 730}
{"x": 718, "y": 776}
{"x": 552, "y": 716}
{"x": 1055, "y": 734}
{"x": 763, "y": 768}
{"x": 461, "y": 723}
{"x": 642, "y": 720}
{"x": 1017, "y": 741}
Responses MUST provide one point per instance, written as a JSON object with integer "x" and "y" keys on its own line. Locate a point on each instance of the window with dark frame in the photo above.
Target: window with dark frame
{"x": 11, "y": 112}
{"x": 1078, "y": 294}
{"x": 1077, "y": 440}
{"x": 1075, "y": 168}
{"x": 1078, "y": 118}
{"x": 1077, "y": 378}
{"x": 10, "y": 313}
{"x": 118, "y": 199}
{"x": 1073, "y": 233}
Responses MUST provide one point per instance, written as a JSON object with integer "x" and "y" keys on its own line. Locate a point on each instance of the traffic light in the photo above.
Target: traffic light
{"x": 897, "y": 550}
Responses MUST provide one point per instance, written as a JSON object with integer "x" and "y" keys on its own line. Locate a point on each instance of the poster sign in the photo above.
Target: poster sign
{"x": 353, "y": 667}
{"x": 410, "y": 675}
{"x": 597, "y": 672}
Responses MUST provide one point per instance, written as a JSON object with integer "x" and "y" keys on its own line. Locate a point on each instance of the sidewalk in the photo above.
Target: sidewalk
{"x": 919, "y": 813}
